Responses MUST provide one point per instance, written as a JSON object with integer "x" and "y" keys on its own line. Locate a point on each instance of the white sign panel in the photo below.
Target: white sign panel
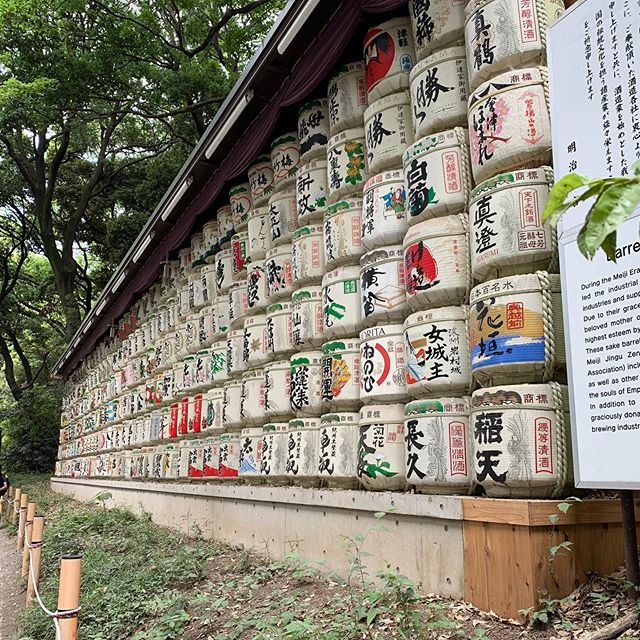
{"x": 594, "y": 54}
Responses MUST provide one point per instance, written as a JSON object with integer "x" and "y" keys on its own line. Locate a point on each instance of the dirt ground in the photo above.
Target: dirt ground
{"x": 11, "y": 594}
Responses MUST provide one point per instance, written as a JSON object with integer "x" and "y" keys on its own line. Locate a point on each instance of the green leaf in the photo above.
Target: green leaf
{"x": 561, "y": 189}
{"x": 379, "y": 514}
{"x": 372, "y": 614}
{"x": 609, "y": 245}
{"x": 564, "y": 507}
{"x": 554, "y": 518}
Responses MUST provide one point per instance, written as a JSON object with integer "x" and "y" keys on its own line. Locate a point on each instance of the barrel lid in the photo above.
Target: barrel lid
{"x": 518, "y": 284}
{"x": 320, "y": 103}
{"x": 436, "y": 227}
{"x": 355, "y": 135}
{"x": 387, "y": 102}
{"x": 506, "y": 81}
{"x": 392, "y": 175}
{"x": 279, "y": 307}
{"x": 343, "y": 205}
{"x": 243, "y": 187}
{"x": 346, "y": 272}
{"x": 340, "y": 418}
{"x": 283, "y": 248}
{"x": 517, "y": 178}
{"x": 381, "y": 413}
{"x": 258, "y": 319}
{"x": 277, "y": 364}
{"x": 340, "y": 346}
{"x": 304, "y": 423}
{"x": 351, "y": 67}
{"x": 451, "y": 406}
{"x": 305, "y": 358}
{"x": 307, "y": 293}
{"x": 285, "y": 194}
{"x": 373, "y": 333}
{"x": 435, "y": 142}
{"x": 518, "y": 396}
{"x": 312, "y": 165}
{"x": 393, "y": 23}
{"x": 439, "y": 314}
{"x": 275, "y": 426}
{"x": 393, "y": 252}
{"x": 257, "y": 212}
{"x": 260, "y": 160}
{"x": 450, "y": 53}
{"x": 309, "y": 230}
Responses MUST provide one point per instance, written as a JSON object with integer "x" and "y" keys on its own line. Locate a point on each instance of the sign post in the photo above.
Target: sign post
{"x": 594, "y": 76}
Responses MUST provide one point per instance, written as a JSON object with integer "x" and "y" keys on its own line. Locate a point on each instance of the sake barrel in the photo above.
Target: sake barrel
{"x": 438, "y": 445}
{"x": 311, "y": 191}
{"x": 252, "y": 398}
{"x": 257, "y": 287}
{"x": 261, "y": 180}
{"x": 382, "y": 285}
{"x": 184, "y": 257}
{"x": 202, "y": 370}
{"x": 509, "y": 126}
{"x": 437, "y": 352}
{"x": 224, "y": 271}
{"x": 389, "y": 55}
{"x": 231, "y": 402}
{"x": 280, "y": 329}
{"x": 222, "y": 313}
{"x": 343, "y": 233}
{"x": 259, "y": 233}
{"x": 208, "y": 283}
{"x": 347, "y": 96}
{"x": 210, "y": 457}
{"x": 516, "y": 330}
{"x": 283, "y": 216}
{"x": 313, "y": 129}
{"x": 255, "y": 350}
{"x": 307, "y": 317}
{"x": 212, "y": 404}
{"x": 341, "y": 302}
{"x": 235, "y": 345}
{"x": 207, "y": 326}
{"x": 277, "y": 388}
{"x": 346, "y": 165}
{"x": 338, "y": 449}
{"x": 506, "y": 230}
{"x": 191, "y": 333}
{"x": 436, "y": 262}
{"x": 437, "y": 175}
{"x": 219, "y": 362}
{"x": 240, "y": 256}
{"x": 180, "y": 372}
{"x": 302, "y": 451}
{"x": 341, "y": 374}
{"x": 279, "y": 272}
{"x": 436, "y": 24}
{"x": 194, "y": 424}
{"x": 229, "y": 455}
{"x": 381, "y": 453}
{"x": 250, "y": 458}
{"x": 197, "y": 250}
{"x": 273, "y": 467}
{"x": 240, "y": 203}
{"x": 211, "y": 239}
{"x": 384, "y": 213}
{"x": 306, "y": 383}
{"x": 439, "y": 92}
{"x": 225, "y": 225}
{"x": 238, "y": 304}
{"x": 388, "y": 128}
{"x": 285, "y": 158}
{"x": 522, "y": 440}
{"x": 307, "y": 255}
{"x": 382, "y": 364}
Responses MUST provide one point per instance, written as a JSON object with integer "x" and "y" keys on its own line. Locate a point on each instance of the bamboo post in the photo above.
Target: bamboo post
{"x": 37, "y": 529}
{"x": 24, "y": 499}
{"x": 69, "y": 596}
{"x": 31, "y": 512}
{"x": 16, "y": 505}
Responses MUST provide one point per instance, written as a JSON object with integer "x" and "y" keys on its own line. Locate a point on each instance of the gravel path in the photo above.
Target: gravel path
{"x": 11, "y": 594}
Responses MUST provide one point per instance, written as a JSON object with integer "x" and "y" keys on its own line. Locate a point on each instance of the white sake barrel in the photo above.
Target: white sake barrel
{"x": 436, "y": 24}
{"x": 277, "y": 387}
{"x": 522, "y": 440}
{"x": 307, "y": 255}
{"x": 240, "y": 256}
{"x": 195, "y": 413}
{"x": 343, "y": 233}
{"x": 273, "y": 466}
{"x": 382, "y": 285}
{"x": 307, "y": 317}
{"x": 210, "y": 457}
{"x": 255, "y": 350}
{"x": 436, "y": 262}
{"x": 259, "y": 233}
{"x": 202, "y": 370}
{"x": 389, "y": 55}
{"x": 302, "y": 451}
{"x": 306, "y": 383}
{"x": 437, "y": 175}
{"x": 383, "y": 360}
{"x": 313, "y": 129}
{"x": 279, "y": 272}
{"x": 212, "y": 404}
{"x": 231, "y": 403}
{"x": 225, "y": 225}
{"x": 347, "y": 96}
{"x": 509, "y": 125}
{"x": 389, "y": 130}
{"x": 283, "y": 216}
{"x": 191, "y": 333}
{"x": 224, "y": 271}
{"x": 285, "y": 158}
{"x": 240, "y": 202}
{"x": 235, "y": 344}
{"x": 257, "y": 287}
{"x": 207, "y": 326}
{"x": 250, "y": 454}
{"x": 196, "y": 460}
{"x": 437, "y": 352}
{"x": 222, "y": 314}
{"x": 381, "y": 452}
{"x": 208, "y": 283}
{"x": 341, "y": 374}
{"x": 341, "y": 302}
{"x": 211, "y": 239}
{"x": 280, "y": 329}
{"x": 505, "y": 225}
{"x": 238, "y": 304}
{"x": 338, "y": 449}
{"x": 311, "y": 191}
{"x": 252, "y": 398}
{"x": 197, "y": 250}
{"x": 384, "y": 212}
{"x": 229, "y": 455}
{"x": 261, "y": 180}
{"x": 439, "y": 92}
{"x": 184, "y": 257}
{"x": 438, "y": 446}
{"x": 516, "y": 330}
{"x": 346, "y": 164}
{"x": 182, "y": 295}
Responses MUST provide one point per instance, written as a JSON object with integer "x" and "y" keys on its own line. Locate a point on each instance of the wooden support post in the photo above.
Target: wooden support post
{"x": 16, "y": 505}
{"x": 31, "y": 512}
{"x": 69, "y": 595}
{"x": 630, "y": 542}
{"x": 24, "y": 500}
{"x": 37, "y": 530}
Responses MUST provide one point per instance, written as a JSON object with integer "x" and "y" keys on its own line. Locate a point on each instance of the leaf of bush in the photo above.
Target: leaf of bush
{"x": 558, "y": 194}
